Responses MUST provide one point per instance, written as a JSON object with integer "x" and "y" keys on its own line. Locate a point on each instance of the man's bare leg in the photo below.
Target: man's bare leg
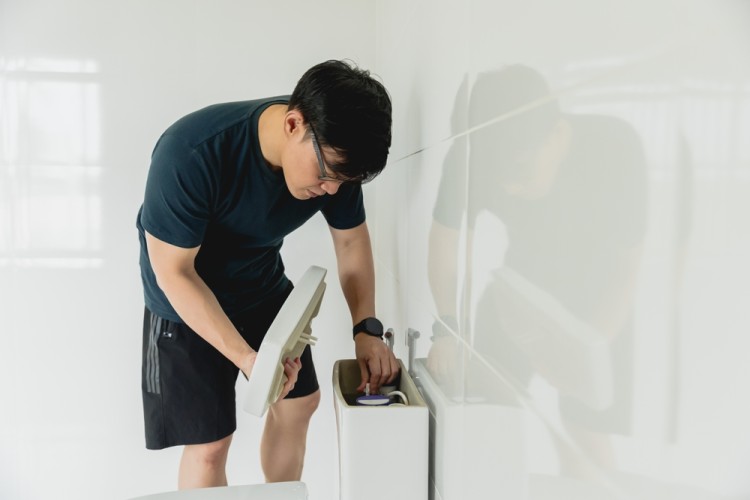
{"x": 204, "y": 465}
{"x": 282, "y": 449}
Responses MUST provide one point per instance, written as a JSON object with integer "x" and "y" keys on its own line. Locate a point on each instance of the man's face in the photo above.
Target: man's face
{"x": 536, "y": 168}
{"x": 305, "y": 169}
{"x": 535, "y": 172}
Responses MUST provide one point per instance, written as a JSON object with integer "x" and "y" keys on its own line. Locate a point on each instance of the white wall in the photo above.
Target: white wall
{"x": 646, "y": 224}
{"x": 86, "y": 88}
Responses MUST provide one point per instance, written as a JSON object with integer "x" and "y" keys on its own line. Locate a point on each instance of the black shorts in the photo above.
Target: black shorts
{"x": 188, "y": 386}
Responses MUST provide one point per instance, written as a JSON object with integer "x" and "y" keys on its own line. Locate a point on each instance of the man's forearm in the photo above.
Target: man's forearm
{"x": 442, "y": 268}
{"x": 358, "y": 285}
{"x": 196, "y": 304}
{"x": 356, "y": 271}
{"x": 359, "y": 295}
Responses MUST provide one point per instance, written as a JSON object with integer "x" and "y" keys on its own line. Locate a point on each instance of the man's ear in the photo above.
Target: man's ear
{"x": 293, "y": 122}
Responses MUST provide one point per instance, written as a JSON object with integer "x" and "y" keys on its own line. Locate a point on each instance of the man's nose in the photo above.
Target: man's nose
{"x": 330, "y": 187}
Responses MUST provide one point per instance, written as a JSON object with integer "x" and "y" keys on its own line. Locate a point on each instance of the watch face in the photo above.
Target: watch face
{"x": 372, "y": 325}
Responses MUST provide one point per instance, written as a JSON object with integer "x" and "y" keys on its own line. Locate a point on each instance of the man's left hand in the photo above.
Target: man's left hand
{"x": 377, "y": 363}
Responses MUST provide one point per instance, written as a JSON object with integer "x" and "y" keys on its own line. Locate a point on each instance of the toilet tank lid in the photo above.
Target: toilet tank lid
{"x": 287, "y": 336}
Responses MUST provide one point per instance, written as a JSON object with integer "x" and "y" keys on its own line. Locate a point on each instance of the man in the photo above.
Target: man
{"x": 226, "y": 184}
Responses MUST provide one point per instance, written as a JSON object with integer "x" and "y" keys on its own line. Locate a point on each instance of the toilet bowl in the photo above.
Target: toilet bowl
{"x": 293, "y": 490}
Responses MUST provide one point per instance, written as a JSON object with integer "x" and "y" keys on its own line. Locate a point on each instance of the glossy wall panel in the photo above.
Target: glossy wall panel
{"x": 582, "y": 197}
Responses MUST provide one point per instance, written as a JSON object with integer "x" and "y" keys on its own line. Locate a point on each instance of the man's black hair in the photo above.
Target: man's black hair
{"x": 350, "y": 112}
{"x": 504, "y": 92}
{"x": 496, "y": 93}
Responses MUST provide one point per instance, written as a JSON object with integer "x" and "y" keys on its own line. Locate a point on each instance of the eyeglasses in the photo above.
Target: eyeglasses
{"x": 323, "y": 174}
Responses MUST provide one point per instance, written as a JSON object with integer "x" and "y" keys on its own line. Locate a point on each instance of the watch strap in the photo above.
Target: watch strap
{"x": 369, "y": 326}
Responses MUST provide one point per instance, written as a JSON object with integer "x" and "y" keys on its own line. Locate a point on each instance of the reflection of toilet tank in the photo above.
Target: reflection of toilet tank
{"x": 568, "y": 352}
{"x": 287, "y": 336}
{"x": 476, "y": 441}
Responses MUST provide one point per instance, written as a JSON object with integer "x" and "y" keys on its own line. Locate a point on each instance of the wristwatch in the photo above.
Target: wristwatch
{"x": 370, "y": 326}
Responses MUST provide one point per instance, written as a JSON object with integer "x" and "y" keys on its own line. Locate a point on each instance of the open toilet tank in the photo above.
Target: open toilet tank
{"x": 383, "y": 450}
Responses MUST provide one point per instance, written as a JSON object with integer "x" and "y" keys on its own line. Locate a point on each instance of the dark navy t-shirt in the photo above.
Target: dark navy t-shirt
{"x": 570, "y": 241}
{"x": 209, "y": 185}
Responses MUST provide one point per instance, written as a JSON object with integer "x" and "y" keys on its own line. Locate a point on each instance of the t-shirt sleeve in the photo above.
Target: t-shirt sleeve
{"x": 179, "y": 194}
{"x": 346, "y": 208}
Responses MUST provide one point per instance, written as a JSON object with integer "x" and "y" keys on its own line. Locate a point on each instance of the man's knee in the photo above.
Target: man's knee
{"x": 306, "y": 405}
{"x": 296, "y": 409}
{"x": 210, "y": 454}
{"x": 313, "y": 402}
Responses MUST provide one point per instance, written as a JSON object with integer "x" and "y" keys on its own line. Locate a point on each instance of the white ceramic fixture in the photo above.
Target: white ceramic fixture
{"x": 293, "y": 490}
{"x": 383, "y": 450}
{"x": 287, "y": 337}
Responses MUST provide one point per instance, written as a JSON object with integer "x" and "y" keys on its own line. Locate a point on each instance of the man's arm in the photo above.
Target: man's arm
{"x": 615, "y": 302}
{"x": 442, "y": 266}
{"x": 357, "y": 276}
{"x": 196, "y": 304}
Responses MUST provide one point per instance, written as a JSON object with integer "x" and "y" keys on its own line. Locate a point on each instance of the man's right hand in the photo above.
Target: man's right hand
{"x": 291, "y": 370}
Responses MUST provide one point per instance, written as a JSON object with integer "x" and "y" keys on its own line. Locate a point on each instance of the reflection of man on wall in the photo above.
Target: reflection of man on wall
{"x": 570, "y": 192}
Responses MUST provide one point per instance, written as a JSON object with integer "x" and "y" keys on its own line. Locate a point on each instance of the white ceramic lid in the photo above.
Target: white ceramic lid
{"x": 288, "y": 335}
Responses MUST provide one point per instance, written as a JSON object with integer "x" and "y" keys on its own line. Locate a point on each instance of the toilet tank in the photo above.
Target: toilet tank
{"x": 383, "y": 450}
{"x": 476, "y": 437}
